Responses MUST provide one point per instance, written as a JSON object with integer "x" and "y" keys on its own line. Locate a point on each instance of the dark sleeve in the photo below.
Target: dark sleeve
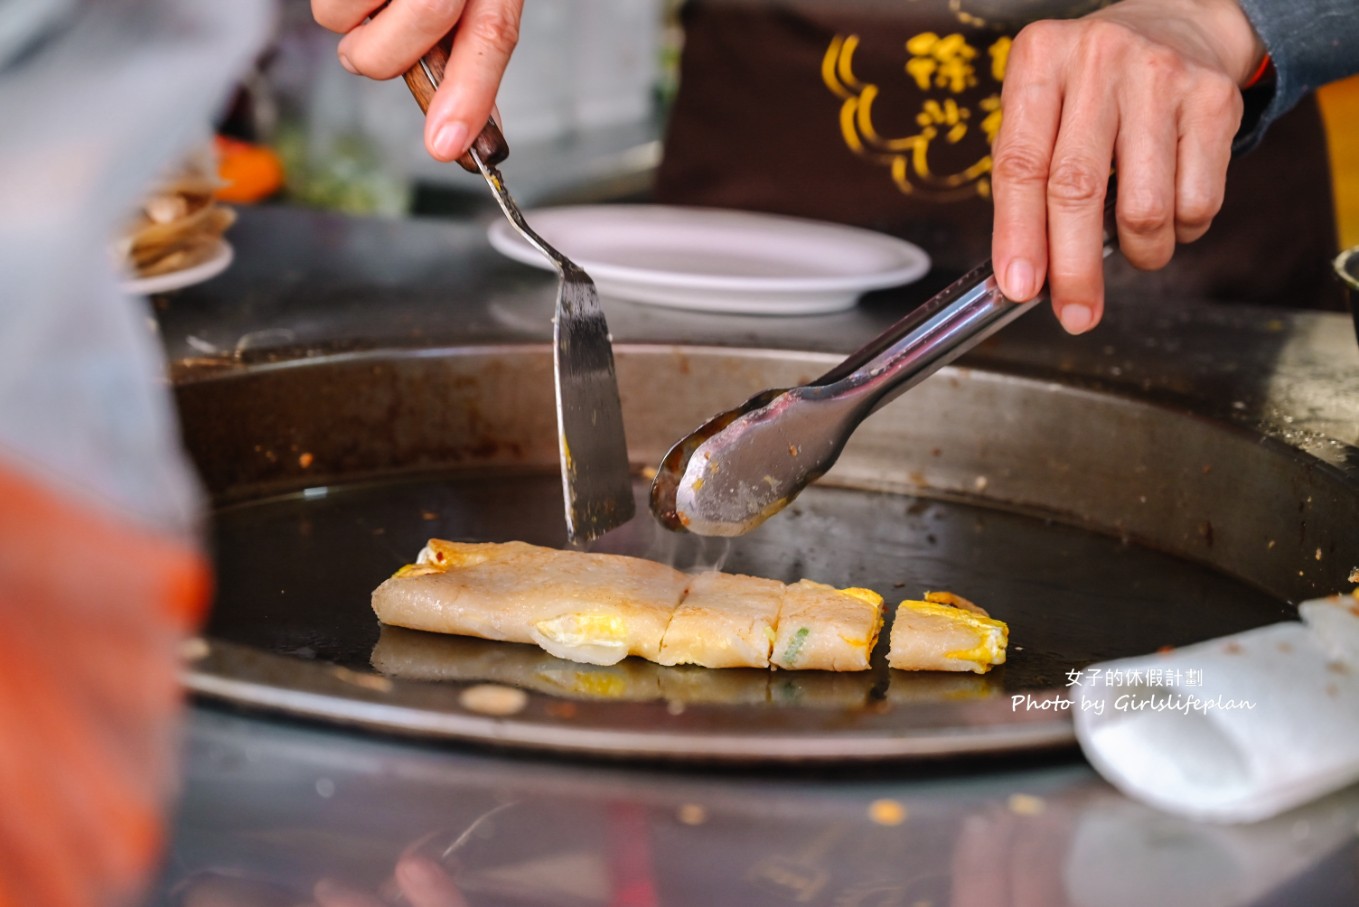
{"x": 1312, "y": 42}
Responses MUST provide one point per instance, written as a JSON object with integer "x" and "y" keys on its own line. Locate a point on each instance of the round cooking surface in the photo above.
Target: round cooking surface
{"x": 293, "y": 628}
{"x": 1096, "y": 525}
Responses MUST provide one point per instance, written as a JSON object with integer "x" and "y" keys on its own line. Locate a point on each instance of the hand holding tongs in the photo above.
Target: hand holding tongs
{"x": 746, "y": 464}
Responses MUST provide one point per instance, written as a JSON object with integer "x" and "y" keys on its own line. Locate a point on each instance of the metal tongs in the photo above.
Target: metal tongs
{"x": 746, "y": 464}
{"x": 596, "y": 478}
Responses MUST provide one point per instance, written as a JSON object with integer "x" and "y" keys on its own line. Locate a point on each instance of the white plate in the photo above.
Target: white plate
{"x": 177, "y": 280}
{"x": 712, "y": 260}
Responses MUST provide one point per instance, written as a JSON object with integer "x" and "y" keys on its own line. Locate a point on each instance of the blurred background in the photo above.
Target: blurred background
{"x": 584, "y": 103}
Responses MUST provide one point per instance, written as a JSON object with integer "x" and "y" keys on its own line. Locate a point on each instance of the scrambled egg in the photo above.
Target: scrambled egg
{"x": 597, "y": 639}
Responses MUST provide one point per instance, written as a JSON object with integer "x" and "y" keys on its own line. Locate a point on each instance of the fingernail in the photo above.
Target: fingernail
{"x": 1076, "y": 319}
{"x": 1019, "y": 280}
{"x": 450, "y": 140}
{"x": 349, "y": 67}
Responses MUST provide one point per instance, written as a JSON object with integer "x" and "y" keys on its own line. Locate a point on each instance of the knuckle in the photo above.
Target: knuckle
{"x": 498, "y": 30}
{"x": 1017, "y": 163}
{"x": 1037, "y": 39}
{"x": 1166, "y": 68}
{"x": 1074, "y": 183}
{"x": 1217, "y": 98}
{"x": 1102, "y": 40}
{"x": 1229, "y": 97}
{"x": 1145, "y": 217}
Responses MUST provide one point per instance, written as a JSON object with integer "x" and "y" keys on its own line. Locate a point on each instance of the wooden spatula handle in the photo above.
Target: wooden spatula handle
{"x": 490, "y": 142}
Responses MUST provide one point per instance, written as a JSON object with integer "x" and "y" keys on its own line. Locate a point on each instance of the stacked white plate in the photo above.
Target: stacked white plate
{"x": 713, "y": 260}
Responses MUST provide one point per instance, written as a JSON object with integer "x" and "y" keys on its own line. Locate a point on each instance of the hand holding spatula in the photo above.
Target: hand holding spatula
{"x": 596, "y": 479}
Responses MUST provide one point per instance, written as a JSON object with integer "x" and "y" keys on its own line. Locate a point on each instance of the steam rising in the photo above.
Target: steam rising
{"x": 681, "y": 550}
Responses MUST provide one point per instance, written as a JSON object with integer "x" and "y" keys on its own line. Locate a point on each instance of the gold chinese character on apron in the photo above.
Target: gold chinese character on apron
{"x": 952, "y": 81}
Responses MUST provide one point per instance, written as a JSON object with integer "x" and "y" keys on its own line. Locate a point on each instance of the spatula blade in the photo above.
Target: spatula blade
{"x": 596, "y": 478}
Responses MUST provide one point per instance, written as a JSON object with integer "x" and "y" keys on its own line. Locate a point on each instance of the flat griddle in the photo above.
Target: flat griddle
{"x": 1097, "y": 526}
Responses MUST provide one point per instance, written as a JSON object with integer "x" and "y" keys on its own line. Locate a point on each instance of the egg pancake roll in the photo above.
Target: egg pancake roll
{"x": 945, "y": 633}
{"x": 592, "y": 608}
{"x": 600, "y": 608}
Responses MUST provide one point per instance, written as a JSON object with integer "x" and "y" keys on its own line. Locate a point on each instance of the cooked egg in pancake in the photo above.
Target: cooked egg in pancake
{"x": 947, "y": 633}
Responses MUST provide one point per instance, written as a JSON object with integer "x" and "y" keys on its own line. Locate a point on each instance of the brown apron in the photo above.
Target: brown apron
{"x": 880, "y": 113}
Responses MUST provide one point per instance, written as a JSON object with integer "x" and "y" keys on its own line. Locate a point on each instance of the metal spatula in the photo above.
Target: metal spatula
{"x": 596, "y": 479}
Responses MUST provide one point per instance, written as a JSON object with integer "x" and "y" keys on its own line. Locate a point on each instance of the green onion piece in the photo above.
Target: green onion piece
{"x": 790, "y": 654}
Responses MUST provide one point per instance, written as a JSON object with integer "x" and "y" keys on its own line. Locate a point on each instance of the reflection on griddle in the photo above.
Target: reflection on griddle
{"x": 913, "y": 687}
{"x": 416, "y": 655}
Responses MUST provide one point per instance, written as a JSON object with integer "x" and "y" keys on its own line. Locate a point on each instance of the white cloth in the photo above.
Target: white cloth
{"x": 90, "y": 117}
{"x": 1236, "y": 729}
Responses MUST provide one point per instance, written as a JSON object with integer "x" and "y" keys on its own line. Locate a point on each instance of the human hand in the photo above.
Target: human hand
{"x": 1149, "y": 86}
{"x": 382, "y": 40}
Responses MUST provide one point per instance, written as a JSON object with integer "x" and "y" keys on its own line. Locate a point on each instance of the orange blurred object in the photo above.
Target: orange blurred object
{"x": 250, "y": 172}
{"x": 1340, "y": 110}
{"x": 93, "y": 613}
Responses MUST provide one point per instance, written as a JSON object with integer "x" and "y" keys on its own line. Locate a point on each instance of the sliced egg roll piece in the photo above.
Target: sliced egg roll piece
{"x": 946, "y": 633}
{"x": 725, "y": 620}
{"x": 591, "y": 608}
{"x": 822, "y": 628}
